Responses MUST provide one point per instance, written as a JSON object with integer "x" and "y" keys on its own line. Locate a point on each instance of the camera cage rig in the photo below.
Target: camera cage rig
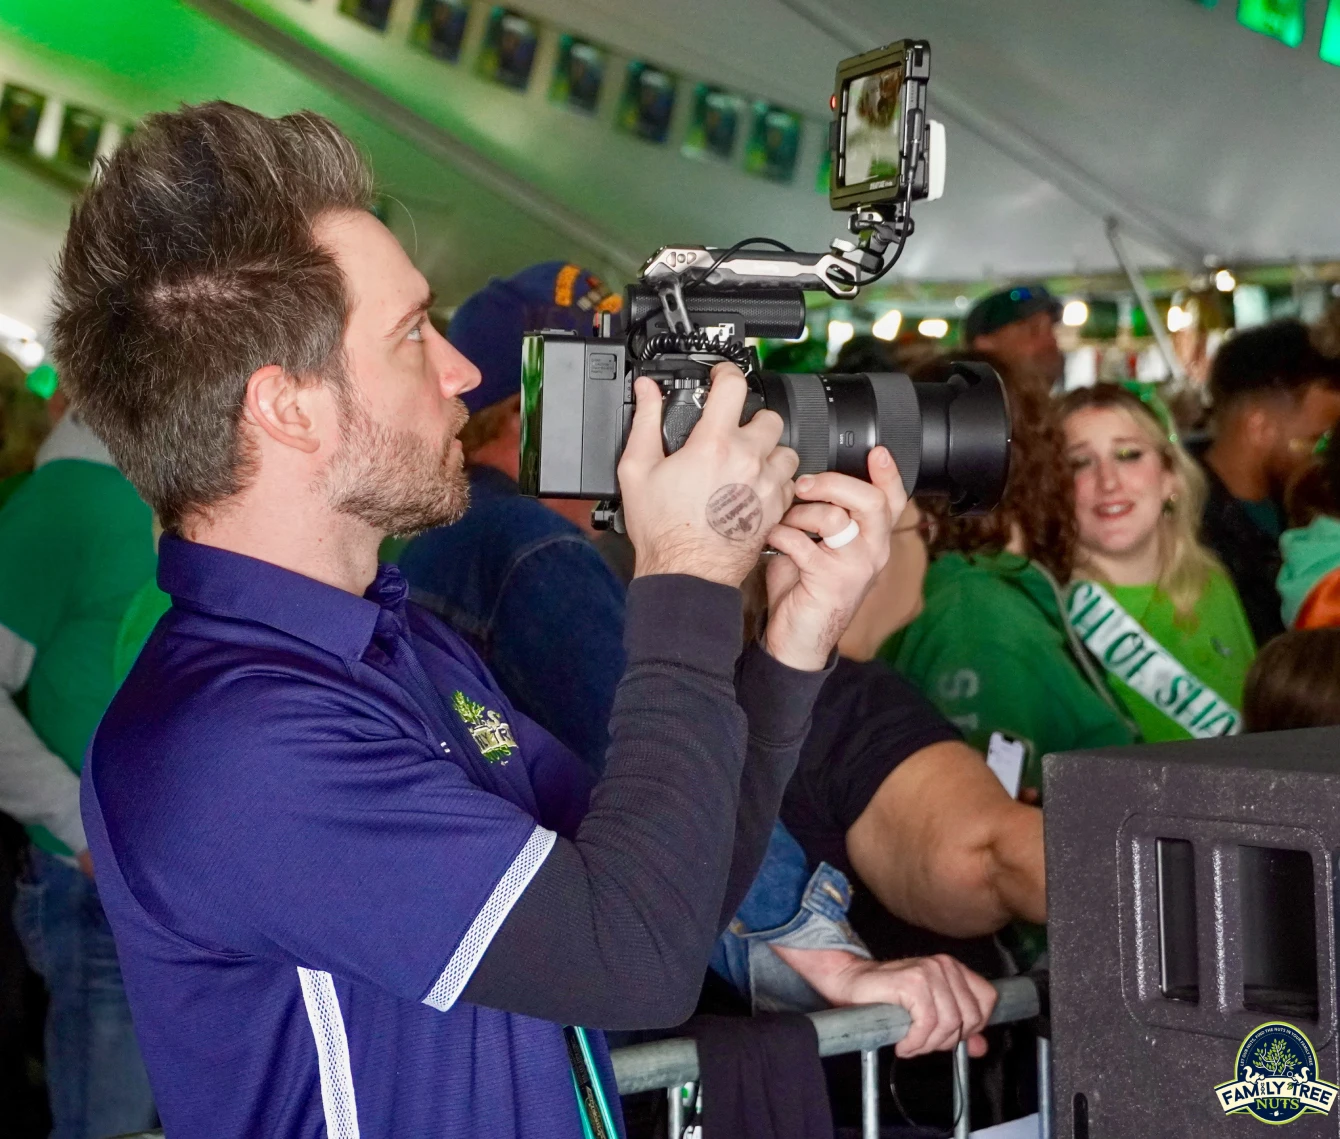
{"x": 880, "y": 210}
{"x": 693, "y": 306}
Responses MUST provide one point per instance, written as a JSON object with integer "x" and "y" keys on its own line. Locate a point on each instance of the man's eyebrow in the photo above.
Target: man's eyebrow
{"x": 412, "y": 316}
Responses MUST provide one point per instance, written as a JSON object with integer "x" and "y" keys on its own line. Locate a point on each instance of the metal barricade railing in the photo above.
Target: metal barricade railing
{"x": 673, "y": 1062}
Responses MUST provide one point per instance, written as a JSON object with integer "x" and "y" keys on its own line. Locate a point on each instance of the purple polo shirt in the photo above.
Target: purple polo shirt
{"x": 309, "y": 813}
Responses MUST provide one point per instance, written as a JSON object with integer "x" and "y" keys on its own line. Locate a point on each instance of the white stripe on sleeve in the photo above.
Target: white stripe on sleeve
{"x": 471, "y": 949}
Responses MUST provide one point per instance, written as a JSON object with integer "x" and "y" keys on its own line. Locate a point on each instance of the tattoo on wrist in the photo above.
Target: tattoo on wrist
{"x": 735, "y": 512}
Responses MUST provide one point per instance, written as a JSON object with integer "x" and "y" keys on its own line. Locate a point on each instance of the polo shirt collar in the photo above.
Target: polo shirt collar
{"x": 232, "y": 585}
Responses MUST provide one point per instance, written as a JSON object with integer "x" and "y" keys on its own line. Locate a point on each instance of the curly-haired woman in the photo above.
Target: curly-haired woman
{"x": 1154, "y": 607}
{"x": 991, "y": 647}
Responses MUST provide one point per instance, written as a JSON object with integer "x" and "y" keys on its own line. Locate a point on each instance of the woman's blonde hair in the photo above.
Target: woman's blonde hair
{"x": 1186, "y": 564}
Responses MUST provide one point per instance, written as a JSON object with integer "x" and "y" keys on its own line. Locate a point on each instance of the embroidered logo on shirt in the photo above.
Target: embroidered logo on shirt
{"x": 491, "y": 733}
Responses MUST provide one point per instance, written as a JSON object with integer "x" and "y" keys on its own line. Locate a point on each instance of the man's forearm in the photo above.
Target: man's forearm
{"x": 616, "y": 927}
{"x": 1016, "y": 869}
{"x": 942, "y": 845}
{"x": 777, "y": 702}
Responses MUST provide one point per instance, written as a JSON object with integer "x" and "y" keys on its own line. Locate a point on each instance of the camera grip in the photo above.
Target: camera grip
{"x": 683, "y": 408}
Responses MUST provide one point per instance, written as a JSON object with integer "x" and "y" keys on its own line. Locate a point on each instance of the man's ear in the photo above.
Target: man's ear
{"x": 280, "y": 408}
{"x": 1261, "y": 424}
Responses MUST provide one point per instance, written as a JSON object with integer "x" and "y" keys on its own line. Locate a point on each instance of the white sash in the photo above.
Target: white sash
{"x": 1121, "y": 645}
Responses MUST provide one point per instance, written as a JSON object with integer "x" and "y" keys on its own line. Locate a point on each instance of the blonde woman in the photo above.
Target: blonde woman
{"x": 1152, "y": 605}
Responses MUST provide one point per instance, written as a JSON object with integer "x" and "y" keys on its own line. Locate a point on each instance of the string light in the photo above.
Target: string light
{"x": 1178, "y": 319}
{"x": 1075, "y": 314}
{"x": 839, "y": 332}
{"x": 887, "y": 326}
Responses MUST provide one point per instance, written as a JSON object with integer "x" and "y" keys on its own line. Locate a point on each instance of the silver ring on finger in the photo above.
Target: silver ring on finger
{"x": 843, "y": 537}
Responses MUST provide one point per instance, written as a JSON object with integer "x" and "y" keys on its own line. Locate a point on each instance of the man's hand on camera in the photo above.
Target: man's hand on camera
{"x": 814, "y": 588}
{"x": 707, "y": 509}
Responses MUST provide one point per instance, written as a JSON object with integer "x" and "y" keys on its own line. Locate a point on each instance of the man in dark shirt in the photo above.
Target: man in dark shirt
{"x": 354, "y": 889}
{"x": 1274, "y": 395}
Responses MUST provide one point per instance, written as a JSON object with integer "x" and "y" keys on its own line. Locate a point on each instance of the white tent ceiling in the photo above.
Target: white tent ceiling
{"x": 1201, "y": 137}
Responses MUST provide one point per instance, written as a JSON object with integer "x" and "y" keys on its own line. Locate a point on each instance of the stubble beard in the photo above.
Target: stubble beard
{"x": 396, "y": 482}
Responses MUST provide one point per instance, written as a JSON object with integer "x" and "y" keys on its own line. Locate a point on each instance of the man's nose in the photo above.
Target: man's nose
{"x": 456, "y": 373}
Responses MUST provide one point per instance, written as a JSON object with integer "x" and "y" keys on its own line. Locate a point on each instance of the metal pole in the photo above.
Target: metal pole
{"x": 962, "y": 1124}
{"x": 662, "y": 1063}
{"x": 1044, "y": 1088}
{"x": 1141, "y": 290}
{"x": 676, "y": 1095}
{"x": 870, "y": 1094}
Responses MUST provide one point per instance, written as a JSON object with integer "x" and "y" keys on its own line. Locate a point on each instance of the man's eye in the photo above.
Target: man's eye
{"x": 415, "y": 333}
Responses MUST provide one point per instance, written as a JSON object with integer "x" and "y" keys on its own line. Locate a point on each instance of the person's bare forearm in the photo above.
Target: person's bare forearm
{"x": 1016, "y": 869}
{"x": 942, "y": 846}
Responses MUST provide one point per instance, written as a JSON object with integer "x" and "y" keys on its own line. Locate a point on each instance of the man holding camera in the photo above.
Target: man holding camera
{"x": 351, "y": 886}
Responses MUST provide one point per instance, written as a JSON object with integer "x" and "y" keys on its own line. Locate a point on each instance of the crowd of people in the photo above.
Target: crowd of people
{"x": 392, "y": 777}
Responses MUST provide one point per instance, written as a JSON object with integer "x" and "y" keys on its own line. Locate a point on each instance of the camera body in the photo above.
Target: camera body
{"x": 694, "y": 307}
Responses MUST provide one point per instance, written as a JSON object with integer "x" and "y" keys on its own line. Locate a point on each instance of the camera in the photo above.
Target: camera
{"x": 693, "y": 307}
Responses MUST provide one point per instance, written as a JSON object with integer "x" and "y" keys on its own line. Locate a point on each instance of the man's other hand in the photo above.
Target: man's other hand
{"x": 946, "y": 1000}
{"x": 707, "y": 509}
{"x": 814, "y": 589}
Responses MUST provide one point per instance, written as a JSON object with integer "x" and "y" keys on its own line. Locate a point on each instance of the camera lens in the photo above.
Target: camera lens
{"x": 949, "y": 438}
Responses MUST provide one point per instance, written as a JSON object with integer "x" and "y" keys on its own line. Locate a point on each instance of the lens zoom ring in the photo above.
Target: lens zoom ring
{"x": 898, "y": 418}
{"x": 809, "y": 422}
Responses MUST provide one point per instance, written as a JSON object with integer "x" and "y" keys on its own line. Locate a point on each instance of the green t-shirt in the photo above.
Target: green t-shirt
{"x": 1216, "y": 647}
{"x": 9, "y": 485}
{"x": 76, "y": 541}
{"x": 991, "y": 651}
{"x": 142, "y": 614}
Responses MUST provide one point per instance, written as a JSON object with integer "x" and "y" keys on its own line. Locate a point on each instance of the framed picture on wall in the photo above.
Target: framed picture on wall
{"x": 508, "y": 53}
{"x": 80, "y": 133}
{"x": 374, "y": 13}
{"x": 578, "y": 74}
{"x": 20, "y": 112}
{"x": 648, "y": 101}
{"x": 715, "y": 124}
{"x": 439, "y": 28}
{"x": 774, "y": 143}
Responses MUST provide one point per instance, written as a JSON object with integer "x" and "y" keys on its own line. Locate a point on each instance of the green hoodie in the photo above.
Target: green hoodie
{"x": 1309, "y": 555}
{"x": 992, "y": 652}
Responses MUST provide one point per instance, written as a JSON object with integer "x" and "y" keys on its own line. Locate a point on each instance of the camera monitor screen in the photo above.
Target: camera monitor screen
{"x": 872, "y": 127}
{"x": 879, "y": 103}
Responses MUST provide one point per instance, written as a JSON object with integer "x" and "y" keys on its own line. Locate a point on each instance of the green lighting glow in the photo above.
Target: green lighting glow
{"x": 1280, "y": 19}
{"x": 1330, "y": 34}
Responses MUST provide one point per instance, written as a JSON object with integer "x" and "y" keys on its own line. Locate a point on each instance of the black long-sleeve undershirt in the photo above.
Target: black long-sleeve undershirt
{"x": 616, "y": 928}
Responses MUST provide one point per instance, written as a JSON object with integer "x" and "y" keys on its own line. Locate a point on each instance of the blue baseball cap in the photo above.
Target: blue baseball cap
{"x": 487, "y": 329}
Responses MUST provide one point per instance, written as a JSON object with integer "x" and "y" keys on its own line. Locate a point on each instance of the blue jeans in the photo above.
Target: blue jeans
{"x": 95, "y": 1078}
